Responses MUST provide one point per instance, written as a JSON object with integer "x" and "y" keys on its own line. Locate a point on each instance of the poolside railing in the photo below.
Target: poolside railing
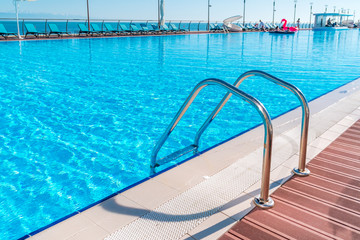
{"x": 70, "y": 25}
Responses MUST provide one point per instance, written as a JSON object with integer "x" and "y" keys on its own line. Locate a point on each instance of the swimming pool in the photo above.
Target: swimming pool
{"x": 79, "y": 118}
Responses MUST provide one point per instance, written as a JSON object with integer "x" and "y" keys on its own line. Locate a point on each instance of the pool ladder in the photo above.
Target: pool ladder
{"x": 263, "y": 200}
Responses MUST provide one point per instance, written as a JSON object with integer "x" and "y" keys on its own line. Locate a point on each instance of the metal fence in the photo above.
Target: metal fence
{"x": 71, "y": 25}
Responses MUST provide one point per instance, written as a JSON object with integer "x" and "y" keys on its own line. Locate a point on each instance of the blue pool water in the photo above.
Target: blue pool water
{"x": 79, "y": 118}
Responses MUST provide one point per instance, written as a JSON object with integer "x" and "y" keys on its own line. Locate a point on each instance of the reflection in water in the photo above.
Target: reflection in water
{"x": 20, "y": 47}
{"x": 308, "y": 44}
{"x": 281, "y": 42}
{"x": 242, "y": 45}
{"x": 292, "y": 46}
{"x": 90, "y": 51}
{"x": 271, "y": 48}
{"x": 161, "y": 52}
{"x": 207, "y": 50}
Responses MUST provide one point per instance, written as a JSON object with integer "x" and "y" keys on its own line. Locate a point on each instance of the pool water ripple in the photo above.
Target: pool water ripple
{"x": 79, "y": 118}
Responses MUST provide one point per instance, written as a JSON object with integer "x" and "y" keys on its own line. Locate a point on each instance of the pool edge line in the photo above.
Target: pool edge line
{"x": 170, "y": 167}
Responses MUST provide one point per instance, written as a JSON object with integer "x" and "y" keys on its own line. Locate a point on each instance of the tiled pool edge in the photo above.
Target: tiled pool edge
{"x": 279, "y": 175}
{"x": 224, "y": 220}
{"x": 76, "y": 36}
{"x": 287, "y": 118}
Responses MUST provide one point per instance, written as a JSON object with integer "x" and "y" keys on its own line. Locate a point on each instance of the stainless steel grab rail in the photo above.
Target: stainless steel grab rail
{"x": 263, "y": 200}
{"x": 301, "y": 170}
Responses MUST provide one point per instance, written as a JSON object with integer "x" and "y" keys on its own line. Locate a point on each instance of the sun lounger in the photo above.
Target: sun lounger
{"x": 273, "y": 26}
{"x": 97, "y": 29}
{"x": 215, "y": 28}
{"x": 31, "y": 30}
{"x": 4, "y": 32}
{"x": 110, "y": 29}
{"x": 156, "y": 28}
{"x": 212, "y": 27}
{"x": 250, "y": 26}
{"x": 125, "y": 28}
{"x": 135, "y": 29}
{"x": 145, "y": 28}
{"x": 243, "y": 27}
{"x": 166, "y": 29}
{"x": 55, "y": 30}
{"x": 176, "y": 29}
{"x": 85, "y": 30}
{"x": 267, "y": 26}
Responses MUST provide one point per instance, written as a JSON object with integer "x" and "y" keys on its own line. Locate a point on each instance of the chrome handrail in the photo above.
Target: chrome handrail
{"x": 263, "y": 200}
{"x": 301, "y": 170}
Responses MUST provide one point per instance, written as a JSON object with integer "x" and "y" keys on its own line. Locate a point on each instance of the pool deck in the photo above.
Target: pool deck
{"x": 206, "y": 196}
{"x": 324, "y": 205}
{"x": 76, "y": 36}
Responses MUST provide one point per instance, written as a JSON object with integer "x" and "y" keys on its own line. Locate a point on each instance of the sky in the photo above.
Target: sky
{"x": 180, "y": 9}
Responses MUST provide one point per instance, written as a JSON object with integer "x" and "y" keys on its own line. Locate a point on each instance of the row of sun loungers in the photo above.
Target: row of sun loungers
{"x": 132, "y": 29}
{"x": 267, "y": 26}
{"x": 96, "y": 30}
{"x": 121, "y": 29}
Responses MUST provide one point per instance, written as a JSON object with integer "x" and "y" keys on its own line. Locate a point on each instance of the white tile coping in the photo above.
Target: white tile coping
{"x": 332, "y": 114}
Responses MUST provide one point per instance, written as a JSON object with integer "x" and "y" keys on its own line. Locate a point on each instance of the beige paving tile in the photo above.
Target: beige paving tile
{"x": 253, "y": 161}
{"x": 209, "y": 163}
{"x": 239, "y": 207}
{"x": 150, "y": 194}
{"x": 278, "y": 158}
{"x": 330, "y": 135}
{"x": 338, "y": 128}
{"x": 347, "y": 122}
{"x": 321, "y": 143}
{"x": 115, "y": 213}
{"x": 354, "y": 116}
{"x": 316, "y": 130}
{"x": 65, "y": 229}
{"x": 281, "y": 174}
{"x": 356, "y": 113}
{"x": 293, "y": 133}
{"x": 312, "y": 152}
{"x": 93, "y": 233}
{"x": 213, "y": 227}
{"x": 286, "y": 122}
{"x": 345, "y": 107}
{"x": 286, "y": 144}
{"x": 182, "y": 178}
{"x": 218, "y": 159}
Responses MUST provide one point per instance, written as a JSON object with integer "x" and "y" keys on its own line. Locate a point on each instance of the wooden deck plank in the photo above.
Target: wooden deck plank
{"x": 324, "y": 205}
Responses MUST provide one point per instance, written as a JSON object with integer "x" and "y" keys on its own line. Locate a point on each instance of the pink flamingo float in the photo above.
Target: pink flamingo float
{"x": 291, "y": 29}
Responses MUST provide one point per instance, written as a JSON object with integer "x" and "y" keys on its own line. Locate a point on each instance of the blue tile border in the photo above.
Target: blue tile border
{"x": 167, "y": 169}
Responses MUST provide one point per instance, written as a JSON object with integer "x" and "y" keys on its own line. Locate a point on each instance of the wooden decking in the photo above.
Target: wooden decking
{"x": 324, "y": 205}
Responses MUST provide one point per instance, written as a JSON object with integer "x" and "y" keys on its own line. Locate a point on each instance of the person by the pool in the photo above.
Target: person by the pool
{"x": 329, "y": 24}
{"x": 261, "y": 25}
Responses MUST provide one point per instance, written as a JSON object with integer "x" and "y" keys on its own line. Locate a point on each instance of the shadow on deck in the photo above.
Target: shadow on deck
{"x": 324, "y": 205}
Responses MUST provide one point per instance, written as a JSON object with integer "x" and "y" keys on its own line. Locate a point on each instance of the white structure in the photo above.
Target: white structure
{"x": 16, "y": 3}
{"x": 161, "y": 12}
{"x": 232, "y": 27}
{"x": 330, "y": 21}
